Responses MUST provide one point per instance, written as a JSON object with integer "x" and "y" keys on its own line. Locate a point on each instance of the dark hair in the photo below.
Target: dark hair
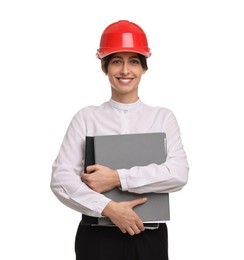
{"x": 108, "y": 58}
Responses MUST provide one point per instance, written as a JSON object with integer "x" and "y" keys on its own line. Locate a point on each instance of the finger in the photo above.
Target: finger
{"x": 136, "y": 230}
{"x": 92, "y": 168}
{"x": 136, "y": 202}
{"x": 140, "y": 225}
{"x": 123, "y": 230}
{"x": 131, "y": 231}
{"x": 83, "y": 177}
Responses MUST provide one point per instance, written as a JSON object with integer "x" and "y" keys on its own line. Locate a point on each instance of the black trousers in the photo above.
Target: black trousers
{"x": 109, "y": 243}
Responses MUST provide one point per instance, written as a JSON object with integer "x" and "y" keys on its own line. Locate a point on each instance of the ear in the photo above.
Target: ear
{"x": 102, "y": 67}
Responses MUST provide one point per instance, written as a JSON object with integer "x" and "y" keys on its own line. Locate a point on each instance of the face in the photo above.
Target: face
{"x": 124, "y": 73}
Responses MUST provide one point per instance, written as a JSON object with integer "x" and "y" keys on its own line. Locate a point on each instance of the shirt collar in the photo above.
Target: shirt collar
{"x": 122, "y": 106}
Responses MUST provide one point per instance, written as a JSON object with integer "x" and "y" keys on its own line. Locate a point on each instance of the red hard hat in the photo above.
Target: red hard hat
{"x": 123, "y": 36}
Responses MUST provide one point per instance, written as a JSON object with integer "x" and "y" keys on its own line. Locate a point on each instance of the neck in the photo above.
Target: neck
{"x": 125, "y": 99}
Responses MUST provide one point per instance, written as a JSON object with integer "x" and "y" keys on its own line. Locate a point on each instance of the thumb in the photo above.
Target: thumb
{"x": 137, "y": 202}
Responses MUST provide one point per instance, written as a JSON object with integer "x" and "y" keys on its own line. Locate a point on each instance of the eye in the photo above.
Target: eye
{"x": 135, "y": 61}
{"x": 116, "y": 61}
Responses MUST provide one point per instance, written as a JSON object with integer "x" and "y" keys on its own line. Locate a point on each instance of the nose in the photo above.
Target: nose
{"x": 125, "y": 69}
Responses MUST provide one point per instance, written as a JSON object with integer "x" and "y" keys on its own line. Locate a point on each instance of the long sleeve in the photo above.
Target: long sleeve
{"x": 66, "y": 183}
{"x": 168, "y": 177}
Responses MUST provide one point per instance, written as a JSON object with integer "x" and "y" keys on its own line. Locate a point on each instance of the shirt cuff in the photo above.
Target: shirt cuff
{"x": 102, "y": 205}
{"x": 123, "y": 182}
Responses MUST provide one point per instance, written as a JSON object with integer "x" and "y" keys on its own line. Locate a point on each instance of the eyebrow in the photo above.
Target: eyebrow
{"x": 119, "y": 57}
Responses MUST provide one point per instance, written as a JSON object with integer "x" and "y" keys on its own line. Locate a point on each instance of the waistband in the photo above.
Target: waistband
{"x": 93, "y": 221}
{"x": 88, "y": 220}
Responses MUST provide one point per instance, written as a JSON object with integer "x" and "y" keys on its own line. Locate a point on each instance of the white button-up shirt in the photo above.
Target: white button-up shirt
{"x": 117, "y": 118}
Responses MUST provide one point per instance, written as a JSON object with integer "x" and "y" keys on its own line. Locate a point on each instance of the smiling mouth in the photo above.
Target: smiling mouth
{"x": 125, "y": 80}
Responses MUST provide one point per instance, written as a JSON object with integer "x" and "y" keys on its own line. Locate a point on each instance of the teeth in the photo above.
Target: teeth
{"x": 125, "y": 80}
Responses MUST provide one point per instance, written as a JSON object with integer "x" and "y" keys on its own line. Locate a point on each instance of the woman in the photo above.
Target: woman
{"x": 123, "y": 53}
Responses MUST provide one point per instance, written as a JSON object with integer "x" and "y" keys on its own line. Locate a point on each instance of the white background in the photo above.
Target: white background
{"x": 48, "y": 71}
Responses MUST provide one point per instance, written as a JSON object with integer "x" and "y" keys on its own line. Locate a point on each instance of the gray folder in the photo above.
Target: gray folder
{"x": 126, "y": 151}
